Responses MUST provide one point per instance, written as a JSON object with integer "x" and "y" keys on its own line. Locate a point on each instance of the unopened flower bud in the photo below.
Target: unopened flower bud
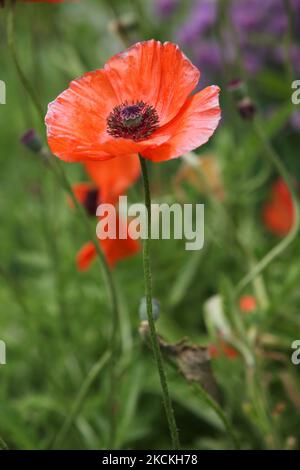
{"x": 143, "y": 309}
{"x": 236, "y": 85}
{"x": 246, "y": 108}
{"x": 32, "y": 141}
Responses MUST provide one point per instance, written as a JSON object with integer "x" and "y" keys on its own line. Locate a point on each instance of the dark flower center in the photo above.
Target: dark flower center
{"x": 136, "y": 121}
{"x": 91, "y": 201}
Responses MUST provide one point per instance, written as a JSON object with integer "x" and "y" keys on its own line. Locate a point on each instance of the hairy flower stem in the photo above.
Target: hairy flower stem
{"x": 60, "y": 175}
{"x": 283, "y": 244}
{"x": 148, "y": 291}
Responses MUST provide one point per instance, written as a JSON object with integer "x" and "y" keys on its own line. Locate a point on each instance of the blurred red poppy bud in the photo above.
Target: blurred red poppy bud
{"x": 143, "y": 309}
{"x": 222, "y": 349}
{"x": 247, "y": 303}
{"x": 32, "y": 141}
{"x": 278, "y": 211}
{"x": 246, "y": 108}
{"x": 237, "y": 87}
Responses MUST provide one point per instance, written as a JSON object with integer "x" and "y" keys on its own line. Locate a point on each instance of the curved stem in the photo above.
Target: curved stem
{"x": 220, "y": 413}
{"x": 11, "y": 44}
{"x": 148, "y": 291}
{"x": 59, "y": 173}
{"x": 283, "y": 244}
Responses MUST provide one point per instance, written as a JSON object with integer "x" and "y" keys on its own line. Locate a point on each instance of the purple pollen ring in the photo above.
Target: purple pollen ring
{"x": 135, "y": 121}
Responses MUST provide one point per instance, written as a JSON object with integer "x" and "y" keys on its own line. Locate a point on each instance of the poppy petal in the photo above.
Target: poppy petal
{"x": 277, "y": 219}
{"x": 85, "y": 256}
{"x": 114, "y": 177}
{"x": 158, "y": 74}
{"x": 278, "y": 213}
{"x": 191, "y": 128}
{"x": 114, "y": 250}
{"x": 81, "y": 191}
{"x": 119, "y": 249}
{"x": 76, "y": 120}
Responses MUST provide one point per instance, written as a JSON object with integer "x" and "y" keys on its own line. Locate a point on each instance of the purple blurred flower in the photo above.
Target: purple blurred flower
{"x": 209, "y": 55}
{"x": 253, "y": 15}
{"x": 259, "y": 24}
{"x": 165, "y": 7}
{"x": 295, "y": 121}
{"x": 202, "y": 18}
{"x": 279, "y": 55}
{"x": 254, "y": 58}
{"x": 32, "y": 141}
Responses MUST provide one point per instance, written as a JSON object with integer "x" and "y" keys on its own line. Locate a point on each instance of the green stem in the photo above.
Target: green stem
{"x": 148, "y": 291}
{"x": 57, "y": 169}
{"x": 219, "y": 412}
{"x": 11, "y": 44}
{"x": 283, "y": 244}
{"x": 79, "y": 400}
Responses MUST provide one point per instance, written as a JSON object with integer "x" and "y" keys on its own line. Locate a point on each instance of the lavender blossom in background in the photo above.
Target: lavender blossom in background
{"x": 202, "y": 18}
{"x": 165, "y": 8}
{"x": 259, "y": 25}
{"x": 295, "y": 121}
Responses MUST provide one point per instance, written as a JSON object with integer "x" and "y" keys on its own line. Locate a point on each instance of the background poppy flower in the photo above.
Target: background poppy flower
{"x": 114, "y": 250}
{"x": 88, "y": 195}
{"x": 113, "y": 177}
{"x": 247, "y": 303}
{"x": 140, "y": 102}
{"x": 110, "y": 179}
{"x": 278, "y": 213}
{"x": 222, "y": 349}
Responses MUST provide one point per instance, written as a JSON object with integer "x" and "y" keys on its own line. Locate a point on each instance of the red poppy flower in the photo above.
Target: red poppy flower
{"x": 247, "y": 303}
{"x": 222, "y": 349}
{"x": 113, "y": 177}
{"x": 114, "y": 250}
{"x": 278, "y": 213}
{"x": 110, "y": 179}
{"x": 140, "y": 102}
